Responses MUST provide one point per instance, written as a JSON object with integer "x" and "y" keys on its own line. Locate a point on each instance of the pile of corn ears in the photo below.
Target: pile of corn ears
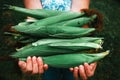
{"x": 57, "y": 37}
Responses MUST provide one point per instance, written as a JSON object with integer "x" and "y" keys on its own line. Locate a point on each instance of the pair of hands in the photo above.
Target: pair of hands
{"x": 35, "y": 65}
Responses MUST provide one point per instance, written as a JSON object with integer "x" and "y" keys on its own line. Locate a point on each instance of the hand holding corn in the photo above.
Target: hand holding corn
{"x": 33, "y": 65}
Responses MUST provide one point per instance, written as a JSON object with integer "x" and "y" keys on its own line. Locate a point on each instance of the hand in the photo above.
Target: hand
{"x": 84, "y": 71}
{"x": 33, "y": 65}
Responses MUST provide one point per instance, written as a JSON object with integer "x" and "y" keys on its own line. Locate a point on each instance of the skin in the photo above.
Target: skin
{"x": 35, "y": 65}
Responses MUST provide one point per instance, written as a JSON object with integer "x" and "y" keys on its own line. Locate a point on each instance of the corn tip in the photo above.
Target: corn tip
{"x": 106, "y": 53}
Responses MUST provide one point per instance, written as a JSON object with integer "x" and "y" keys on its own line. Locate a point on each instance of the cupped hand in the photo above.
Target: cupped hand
{"x": 84, "y": 71}
{"x": 33, "y": 65}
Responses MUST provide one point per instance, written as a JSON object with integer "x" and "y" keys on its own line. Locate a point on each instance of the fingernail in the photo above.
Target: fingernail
{"x": 80, "y": 66}
{"x": 71, "y": 69}
{"x": 85, "y": 63}
{"x": 29, "y": 57}
{"x": 34, "y": 59}
{"x": 45, "y": 66}
{"x": 76, "y": 67}
{"x": 39, "y": 58}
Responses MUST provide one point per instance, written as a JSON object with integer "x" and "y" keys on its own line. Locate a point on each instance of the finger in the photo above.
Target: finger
{"x": 35, "y": 65}
{"x": 75, "y": 73}
{"x": 93, "y": 66}
{"x": 82, "y": 72}
{"x": 71, "y": 69}
{"x": 45, "y": 66}
{"x": 29, "y": 65}
{"x": 40, "y": 65}
{"x": 88, "y": 70}
{"x": 22, "y": 65}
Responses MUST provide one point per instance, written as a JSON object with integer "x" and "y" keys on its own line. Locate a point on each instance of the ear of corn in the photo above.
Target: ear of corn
{"x": 56, "y": 31}
{"x": 46, "y": 47}
{"x": 39, "y": 48}
{"x": 71, "y": 60}
{"x": 36, "y": 13}
{"x": 69, "y": 32}
{"x": 78, "y": 22}
{"x": 52, "y": 40}
{"x": 58, "y": 18}
{"x": 97, "y": 40}
{"x": 51, "y": 20}
{"x": 40, "y": 51}
{"x": 76, "y": 46}
{"x": 21, "y": 38}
